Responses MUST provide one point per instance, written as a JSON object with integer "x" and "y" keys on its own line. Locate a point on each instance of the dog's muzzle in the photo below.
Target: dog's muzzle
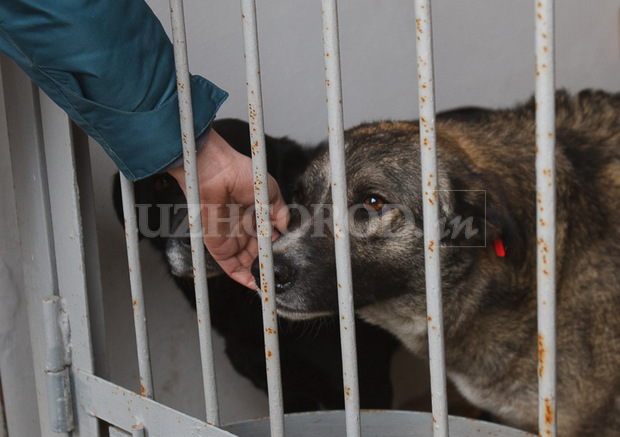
{"x": 284, "y": 273}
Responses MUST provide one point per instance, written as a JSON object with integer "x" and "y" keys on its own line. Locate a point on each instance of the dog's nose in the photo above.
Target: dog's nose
{"x": 284, "y": 273}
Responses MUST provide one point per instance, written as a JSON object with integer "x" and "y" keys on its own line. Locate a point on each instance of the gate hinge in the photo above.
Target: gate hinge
{"x": 57, "y": 363}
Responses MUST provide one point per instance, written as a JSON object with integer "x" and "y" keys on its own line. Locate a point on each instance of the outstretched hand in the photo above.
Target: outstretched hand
{"x": 227, "y": 201}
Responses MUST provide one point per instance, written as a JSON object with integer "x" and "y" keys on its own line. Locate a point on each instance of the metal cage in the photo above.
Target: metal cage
{"x": 60, "y": 256}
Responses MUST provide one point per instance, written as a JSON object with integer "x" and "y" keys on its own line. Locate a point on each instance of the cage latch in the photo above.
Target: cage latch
{"x": 57, "y": 363}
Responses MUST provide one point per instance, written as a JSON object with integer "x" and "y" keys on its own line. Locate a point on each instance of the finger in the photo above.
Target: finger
{"x": 279, "y": 212}
{"x": 245, "y": 278}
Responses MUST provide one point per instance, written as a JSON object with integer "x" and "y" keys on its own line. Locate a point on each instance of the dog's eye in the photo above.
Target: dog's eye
{"x": 163, "y": 183}
{"x": 374, "y": 203}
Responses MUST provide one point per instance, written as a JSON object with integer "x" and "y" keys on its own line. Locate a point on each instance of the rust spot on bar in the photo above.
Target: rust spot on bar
{"x": 431, "y": 246}
{"x": 269, "y": 354}
{"x": 347, "y": 391}
{"x": 430, "y": 319}
{"x": 270, "y": 331}
{"x": 548, "y": 413}
{"x": 134, "y": 304}
{"x": 541, "y": 355}
{"x": 142, "y": 390}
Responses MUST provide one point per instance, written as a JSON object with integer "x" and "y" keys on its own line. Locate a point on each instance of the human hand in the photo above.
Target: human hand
{"x": 227, "y": 198}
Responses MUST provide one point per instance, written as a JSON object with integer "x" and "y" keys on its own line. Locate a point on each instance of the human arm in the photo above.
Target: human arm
{"x": 109, "y": 65}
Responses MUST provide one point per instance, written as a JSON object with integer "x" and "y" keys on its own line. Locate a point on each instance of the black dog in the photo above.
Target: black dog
{"x": 310, "y": 354}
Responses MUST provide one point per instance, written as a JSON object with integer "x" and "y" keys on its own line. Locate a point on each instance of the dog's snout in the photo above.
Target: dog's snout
{"x": 283, "y": 271}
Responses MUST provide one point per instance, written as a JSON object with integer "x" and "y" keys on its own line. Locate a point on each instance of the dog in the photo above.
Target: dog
{"x": 310, "y": 354}
{"x": 486, "y": 185}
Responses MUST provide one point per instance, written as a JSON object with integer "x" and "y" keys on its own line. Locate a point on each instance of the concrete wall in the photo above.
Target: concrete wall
{"x": 484, "y": 56}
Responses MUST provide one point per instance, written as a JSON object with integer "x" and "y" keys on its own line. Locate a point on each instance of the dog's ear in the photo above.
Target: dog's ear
{"x": 479, "y": 215}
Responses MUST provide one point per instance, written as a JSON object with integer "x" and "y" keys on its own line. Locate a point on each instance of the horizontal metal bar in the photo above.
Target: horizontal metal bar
{"x": 123, "y": 408}
{"x": 115, "y": 432}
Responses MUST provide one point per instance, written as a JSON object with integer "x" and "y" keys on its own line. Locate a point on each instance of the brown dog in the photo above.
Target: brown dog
{"x": 489, "y": 301}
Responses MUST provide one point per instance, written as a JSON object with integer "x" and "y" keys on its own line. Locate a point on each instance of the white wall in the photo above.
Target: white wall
{"x": 484, "y": 56}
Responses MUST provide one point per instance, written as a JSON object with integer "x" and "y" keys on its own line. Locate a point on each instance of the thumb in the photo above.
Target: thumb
{"x": 279, "y": 211}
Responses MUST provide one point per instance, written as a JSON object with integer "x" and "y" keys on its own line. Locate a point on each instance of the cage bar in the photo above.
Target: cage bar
{"x": 545, "y": 223}
{"x": 137, "y": 290}
{"x": 263, "y": 223}
{"x": 137, "y": 430}
{"x": 428, "y": 150}
{"x": 194, "y": 210}
{"x": 335, "y": 129}
{"x": 63, "y": 197}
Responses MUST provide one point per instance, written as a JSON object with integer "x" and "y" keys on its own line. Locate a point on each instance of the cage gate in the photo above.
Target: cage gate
{"x": 54, "y": 204}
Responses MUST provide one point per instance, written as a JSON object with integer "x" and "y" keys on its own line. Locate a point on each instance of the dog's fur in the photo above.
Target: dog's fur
{"x": 489, "y": 302}
{"x": 310, "y": 353}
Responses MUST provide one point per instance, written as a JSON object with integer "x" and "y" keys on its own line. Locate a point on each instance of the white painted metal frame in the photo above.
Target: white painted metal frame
{"x": 194, "y": 210}
{"x": 340, "y": 214}
{"x": 263, "y": 222}
{"x": 545, "y": 223}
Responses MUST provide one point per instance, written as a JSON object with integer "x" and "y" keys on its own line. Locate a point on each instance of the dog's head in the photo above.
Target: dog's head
{"x": 384, "y": 193}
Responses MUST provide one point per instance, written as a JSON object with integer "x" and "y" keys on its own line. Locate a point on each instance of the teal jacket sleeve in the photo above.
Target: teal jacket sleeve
{"x": 110, "y": 66}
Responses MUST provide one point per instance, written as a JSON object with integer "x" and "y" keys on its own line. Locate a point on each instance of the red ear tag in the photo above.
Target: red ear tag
{"x": 499, "y": 247}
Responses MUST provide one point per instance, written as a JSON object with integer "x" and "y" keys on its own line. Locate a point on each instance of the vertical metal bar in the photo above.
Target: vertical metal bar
{"x": 335, "y": 129}
{"x": 428, "y": 149}
{"x": 137, "y": 430}
{"x": 545, "y": 223}
{"x": 92, "y": 265}
{"x": 194, "y": 211}
{"x": 137, "y": 292}
{"x": 261, "y": 202}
